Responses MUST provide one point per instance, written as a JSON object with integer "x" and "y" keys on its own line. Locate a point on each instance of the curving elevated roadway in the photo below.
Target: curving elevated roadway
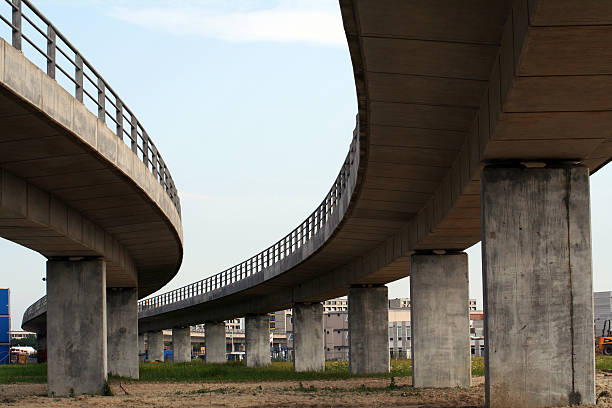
{"x": 81, "y": 183}
{"x": 450, "y": 94}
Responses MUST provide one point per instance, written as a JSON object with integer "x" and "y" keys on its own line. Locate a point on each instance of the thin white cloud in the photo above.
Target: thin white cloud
{"x": 284, "y": 21}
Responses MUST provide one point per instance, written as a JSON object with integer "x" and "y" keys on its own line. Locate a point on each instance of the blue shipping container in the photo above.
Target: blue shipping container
{"x": 5, "y": 356}
{"x": 4, "y": 329}
{"x": 4, "y": 302}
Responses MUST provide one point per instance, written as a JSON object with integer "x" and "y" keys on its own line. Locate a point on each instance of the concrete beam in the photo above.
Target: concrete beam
{"x": 181, "y": 344}
{"x": 76, "y": 327}
{"x": 257, "y": 337}
{"x": 440, "y": 321}
{"x": 368, "y": 329}
{"x": 308, "y": 339}
{"x": 122, "y": 331}
{"x": 155, "y": 342}
{"x": 215, "y": 342}
{"x": 538, "y": 294}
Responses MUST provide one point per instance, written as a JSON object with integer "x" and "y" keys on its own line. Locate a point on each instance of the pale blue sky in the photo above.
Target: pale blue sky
{"x": 252, "y": 105}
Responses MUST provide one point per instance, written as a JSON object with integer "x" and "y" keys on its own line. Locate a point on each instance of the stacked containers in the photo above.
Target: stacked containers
{"x": 5, "y": 326}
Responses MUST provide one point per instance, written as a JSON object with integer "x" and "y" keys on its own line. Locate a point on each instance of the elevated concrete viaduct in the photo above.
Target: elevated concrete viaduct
{"x": 98, "y": 203}
{"x": 477, "y": 121}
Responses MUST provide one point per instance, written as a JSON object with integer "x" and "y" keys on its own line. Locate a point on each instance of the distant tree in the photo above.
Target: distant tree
{"x": 25, "y": 342}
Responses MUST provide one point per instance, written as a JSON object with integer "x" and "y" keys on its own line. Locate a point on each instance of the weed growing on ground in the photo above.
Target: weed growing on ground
{"x": 225, "y": 390}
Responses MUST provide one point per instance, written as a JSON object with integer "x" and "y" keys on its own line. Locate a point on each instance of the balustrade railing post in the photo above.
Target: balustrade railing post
{"x": 101, "y": 100}
{"x": 78, "y": 77}
{"x": 16, "y": 21}
{"x": 119, "y": 118}
{"x": 134, "y": 133}
{"x": 145, "y": 148}
{"x": 51, "y": 46}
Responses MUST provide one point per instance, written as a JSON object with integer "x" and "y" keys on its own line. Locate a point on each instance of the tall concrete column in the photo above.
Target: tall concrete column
{"x": 122, "y": 331}
{"x": 308, "y": 339}
{"x": 537, "y": 281}
{"x": 440, "y": 320}
{"x": 214, "y": 340}
{"x": 368, "y": 329}
{"x": 257, "y": 337}
{"x": 155, "y": 342}
{"x": 141, "y": 347}
{"x": 41, "y": 348}
{"x": 181, "y": 344}
{"x": 76, "y": 327}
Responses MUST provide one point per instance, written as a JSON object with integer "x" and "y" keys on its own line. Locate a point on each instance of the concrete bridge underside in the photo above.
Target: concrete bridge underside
{"x": 477, "y": 121}
{"x": 443, "y": 90}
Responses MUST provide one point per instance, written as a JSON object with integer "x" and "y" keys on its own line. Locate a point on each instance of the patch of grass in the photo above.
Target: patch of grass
{"x": 603, "y": 362}
{"x": 23, "y": 373}
{"x": 198, "y": 370}
{"x": 478, "y": 369}
{"x": 225, "y": 390}
{"x": 407, "y": 390}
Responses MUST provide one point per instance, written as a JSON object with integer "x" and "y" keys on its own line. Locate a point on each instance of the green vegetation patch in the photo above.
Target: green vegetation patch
{"x": 23, "y": 373}
{"x": 198, "y": 370}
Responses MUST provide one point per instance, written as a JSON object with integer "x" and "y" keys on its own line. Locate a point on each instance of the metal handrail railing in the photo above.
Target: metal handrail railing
{"x": 287, "y": 245}
{"x": 88, "y": 83}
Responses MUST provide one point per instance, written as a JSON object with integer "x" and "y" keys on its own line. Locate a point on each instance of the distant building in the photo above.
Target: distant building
{"x": 603, "y": 310}
{"x": 336, "y": 305}
{"x": 20, "y": 334}
{"x": 335, "y": 326}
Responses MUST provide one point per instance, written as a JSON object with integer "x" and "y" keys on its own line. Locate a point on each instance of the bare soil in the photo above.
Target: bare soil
{"x": 365, "y": 392}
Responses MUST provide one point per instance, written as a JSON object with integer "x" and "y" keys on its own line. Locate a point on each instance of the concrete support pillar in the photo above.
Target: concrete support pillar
{"x": 308, "y": 339}
{"x": 41, "y": 348}
{"x": 257, "y": 337}
{"x": 368, "y": 329}
{"x": 181, "y": 344}
{"x": 215, "y": 342}
{"x": 537, "y": 281}
{"x": 76, "y": 327}
{"x": 122, "y": 331}
{"x": 141, "y": 347}
{"x": 155, "y": 342}
{"x": 440, "y": 320}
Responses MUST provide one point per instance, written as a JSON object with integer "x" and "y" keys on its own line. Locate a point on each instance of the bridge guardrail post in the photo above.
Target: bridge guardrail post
{"x": 78, "y": 77}
{"x": 51, "y": 45}
{"x": 101, "y": 100}
{"x": 16, "y": 21}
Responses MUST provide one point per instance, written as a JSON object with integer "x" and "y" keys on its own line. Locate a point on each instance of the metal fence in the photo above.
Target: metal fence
{"x": 64, "y": 63}
{"x": 289, "y": 244}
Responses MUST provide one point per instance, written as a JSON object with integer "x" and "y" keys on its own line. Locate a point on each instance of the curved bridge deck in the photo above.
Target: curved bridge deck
{"x": 71, "y": 186}
{"x": 442, "y": 90}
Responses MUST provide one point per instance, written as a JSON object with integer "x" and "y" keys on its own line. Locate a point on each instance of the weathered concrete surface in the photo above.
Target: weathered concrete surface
{"x": 215, "y": 342}
{"x": 537, "y": 282}
{"x": 76, "y": 188}
{"x": 308, "y": 339}
{"x": 368, "y": 330}
{"x": 122, "y": 331}
{"x": 76, "y": 327}
{"x": 257, "y": 338}
{"x": 181, "y": 344}
{"x": 141, "y": 347}
{"x": 440, "y": 321}
{"x": 155, "y": 343}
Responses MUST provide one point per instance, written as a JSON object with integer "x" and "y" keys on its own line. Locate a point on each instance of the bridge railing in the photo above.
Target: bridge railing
{"x": 63, "y": 62}
{"x": 287, "y": 245}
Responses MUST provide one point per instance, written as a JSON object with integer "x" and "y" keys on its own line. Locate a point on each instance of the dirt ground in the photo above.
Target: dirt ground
{"x": 364, "y": 392}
